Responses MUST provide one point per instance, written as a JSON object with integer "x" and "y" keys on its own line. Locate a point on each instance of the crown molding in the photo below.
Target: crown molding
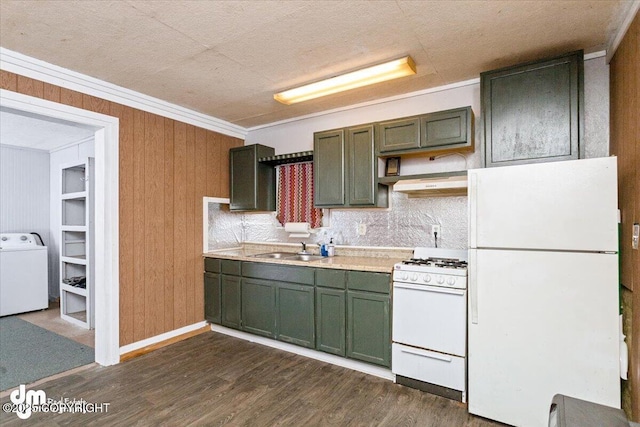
{"x": 36, "y": 69}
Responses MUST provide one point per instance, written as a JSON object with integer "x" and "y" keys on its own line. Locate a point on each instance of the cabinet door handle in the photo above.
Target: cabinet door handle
{"x": 428, "y": 355}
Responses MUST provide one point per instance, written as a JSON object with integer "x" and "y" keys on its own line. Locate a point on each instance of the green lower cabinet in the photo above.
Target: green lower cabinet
{"x": 295, "y": 311}
{"x": 259, "y": 307}
{"x": 212, "y": 297}
{"x": 368, "y": 327}
{"x": 341, "y": 312}
{"x": 230, "y": 301}
{"x": 331, "y": 321}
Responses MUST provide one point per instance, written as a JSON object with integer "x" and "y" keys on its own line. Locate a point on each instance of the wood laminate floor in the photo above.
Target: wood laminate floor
{"x": 212, "y": 379}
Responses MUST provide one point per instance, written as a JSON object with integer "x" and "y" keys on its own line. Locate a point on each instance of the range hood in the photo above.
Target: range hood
{"x": 432, "y": 187}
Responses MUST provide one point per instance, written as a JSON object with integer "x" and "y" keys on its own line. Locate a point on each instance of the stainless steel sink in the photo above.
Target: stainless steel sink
{"x": 275, "y": 255}
{"x": 288, "y": 255}
{"x": 305, "y": 257}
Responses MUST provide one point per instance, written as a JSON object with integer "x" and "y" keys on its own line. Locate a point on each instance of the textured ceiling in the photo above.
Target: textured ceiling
{"x": 227, "y": 58}
{"x": 21, "y": 129}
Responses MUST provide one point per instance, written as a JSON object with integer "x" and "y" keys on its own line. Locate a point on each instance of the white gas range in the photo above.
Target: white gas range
{"x": 430, "y": 322}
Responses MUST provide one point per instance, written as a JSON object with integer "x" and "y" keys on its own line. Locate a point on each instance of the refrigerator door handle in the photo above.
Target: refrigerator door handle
{"x": 473, "y": 286}
{"x": 473, "y": 209}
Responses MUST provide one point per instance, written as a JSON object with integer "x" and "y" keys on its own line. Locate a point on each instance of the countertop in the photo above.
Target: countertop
{"x": 380, "y": 261}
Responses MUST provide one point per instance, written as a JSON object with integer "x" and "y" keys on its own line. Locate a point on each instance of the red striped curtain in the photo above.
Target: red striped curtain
{"x": 295, "y": 195}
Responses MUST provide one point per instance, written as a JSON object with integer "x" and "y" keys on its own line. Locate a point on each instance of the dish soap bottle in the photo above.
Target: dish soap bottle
{"x": 331, "y": 250}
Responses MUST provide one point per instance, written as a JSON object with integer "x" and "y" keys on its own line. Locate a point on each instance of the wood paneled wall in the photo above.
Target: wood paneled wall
{"x": 625, "y": 143}
{"x": 166, "y": 168}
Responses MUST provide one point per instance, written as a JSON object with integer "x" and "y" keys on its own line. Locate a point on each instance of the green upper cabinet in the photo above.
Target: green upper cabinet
{"x": 533, "y": 112}
{"x": 447, "y": 128}
{"x": 433, "y": 133}
{"x": 402, "y": 134}
{"x": 329, "y": 168}
{"x": 346, "y": 169}
{"x": 362, "y": 166}
{"x": 252, "y": 184}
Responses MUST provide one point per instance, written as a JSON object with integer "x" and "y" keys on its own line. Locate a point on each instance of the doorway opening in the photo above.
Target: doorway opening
{"x": 105, "y": 134}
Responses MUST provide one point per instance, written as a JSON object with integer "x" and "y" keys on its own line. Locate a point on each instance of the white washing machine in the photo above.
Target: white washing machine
{"x": 24, "y": 284}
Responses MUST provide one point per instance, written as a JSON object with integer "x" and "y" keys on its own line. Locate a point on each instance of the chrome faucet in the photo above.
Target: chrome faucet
{"x": 304, "y": 249}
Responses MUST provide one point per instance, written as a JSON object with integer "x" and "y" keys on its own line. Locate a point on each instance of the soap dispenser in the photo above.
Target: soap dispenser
{"x": 331, "y": 250}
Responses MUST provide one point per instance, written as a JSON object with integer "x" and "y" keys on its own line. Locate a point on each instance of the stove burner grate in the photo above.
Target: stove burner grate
{"x": 436, "y": 262}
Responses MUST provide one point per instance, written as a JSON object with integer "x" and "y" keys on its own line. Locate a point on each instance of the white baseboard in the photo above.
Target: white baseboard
{"x": 313, "y": 354}
{"x": 159, "y": 338}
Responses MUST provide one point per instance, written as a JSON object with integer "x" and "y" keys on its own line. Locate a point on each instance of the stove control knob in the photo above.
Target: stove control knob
{"x": 426, "y": 278}
{"x": 404, "y": 276}
{"x": 451, "y": 281}
{"x": 440, "y": 280}
{"x": 414, "y": 277}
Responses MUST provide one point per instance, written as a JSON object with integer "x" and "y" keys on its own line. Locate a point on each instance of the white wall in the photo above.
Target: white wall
{"x": 24, "y": 191}
{"x": 596, "y": 106}
{"x": 68, "y": 154}
{"x": 297, "y": 135}
{"x": 449, "y": 212}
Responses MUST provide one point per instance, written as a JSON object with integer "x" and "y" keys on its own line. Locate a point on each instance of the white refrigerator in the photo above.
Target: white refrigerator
{"x": 543, "y": 288}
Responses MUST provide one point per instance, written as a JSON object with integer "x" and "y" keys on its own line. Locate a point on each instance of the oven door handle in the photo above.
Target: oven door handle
{"x": 428, "y": 288}
{"x": 428, "y": 355}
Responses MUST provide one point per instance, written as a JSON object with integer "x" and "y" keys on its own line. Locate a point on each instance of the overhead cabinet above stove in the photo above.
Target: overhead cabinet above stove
{"x": 433, "y": 133}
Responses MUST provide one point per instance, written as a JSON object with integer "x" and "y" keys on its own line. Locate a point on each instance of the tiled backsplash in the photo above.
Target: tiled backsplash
{"x": 406, "y": 223}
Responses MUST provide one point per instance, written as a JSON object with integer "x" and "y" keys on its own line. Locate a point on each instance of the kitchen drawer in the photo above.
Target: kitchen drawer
{"x": 279, "y": 273}
{"x": 228, "y": 266}
{"x": 212, "y": 265}
{"x": 428, "y": 366}
{"x": 370, "y": 282}
{"x": 329, "y": 278}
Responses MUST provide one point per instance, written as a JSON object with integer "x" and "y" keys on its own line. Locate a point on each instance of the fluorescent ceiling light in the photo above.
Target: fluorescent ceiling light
{"x": 367, "y": 76}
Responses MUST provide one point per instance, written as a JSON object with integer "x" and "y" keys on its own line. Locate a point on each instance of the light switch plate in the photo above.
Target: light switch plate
{"x": 635, "y": 236}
